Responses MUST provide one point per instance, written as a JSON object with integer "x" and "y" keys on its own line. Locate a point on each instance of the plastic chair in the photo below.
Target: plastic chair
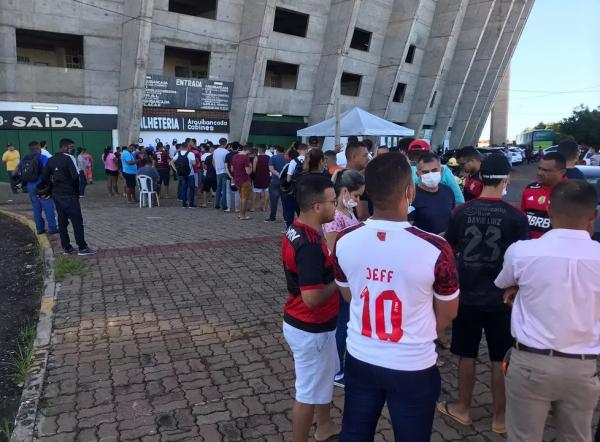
{"x": 146, "y": 186}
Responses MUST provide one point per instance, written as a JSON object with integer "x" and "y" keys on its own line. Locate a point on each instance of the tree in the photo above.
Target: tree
{"x": 540, "y": 125}
{"x": 583, "y": 125}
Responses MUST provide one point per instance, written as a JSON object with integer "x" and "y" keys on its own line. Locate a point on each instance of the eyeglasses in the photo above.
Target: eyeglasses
{"x": 334, "y": 202}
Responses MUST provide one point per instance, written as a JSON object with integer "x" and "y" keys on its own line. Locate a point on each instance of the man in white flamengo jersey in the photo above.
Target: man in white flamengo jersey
{"x": 402, "y": 286}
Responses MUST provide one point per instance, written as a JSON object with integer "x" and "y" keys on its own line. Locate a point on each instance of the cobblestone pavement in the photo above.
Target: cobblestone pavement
{"x": 173, "y": 332}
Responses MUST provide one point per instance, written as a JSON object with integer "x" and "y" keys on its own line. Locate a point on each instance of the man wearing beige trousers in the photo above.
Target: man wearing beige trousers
{"x": 555, "y": 321}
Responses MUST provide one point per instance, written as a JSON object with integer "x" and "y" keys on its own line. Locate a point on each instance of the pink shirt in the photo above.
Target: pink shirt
{"x": 109, "y": 162}
{"x": 340, "y": 222}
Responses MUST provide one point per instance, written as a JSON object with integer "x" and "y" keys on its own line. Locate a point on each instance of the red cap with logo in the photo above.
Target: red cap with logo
{"x": 419, "y": 146}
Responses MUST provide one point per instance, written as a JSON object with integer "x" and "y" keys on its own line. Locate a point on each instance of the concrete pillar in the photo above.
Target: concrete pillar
{"x": 470, "y": 36}
{"x": 499, "y": 127}
{"x": 476, "y": 125}
{"x": 341, "y": 22}
{"x": 445, "y": 29}
{"x": 481, "y": 65}
{"x": 395, "y": 46}
{"x": 8, "y": 63}
{"x": 135, "y": 48}
{"x": 257, "y": 25}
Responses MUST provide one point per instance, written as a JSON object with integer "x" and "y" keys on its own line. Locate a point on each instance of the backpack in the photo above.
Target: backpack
{"x": 31, "y": 168}
{"x": 182, "y": 164}
{"x": 290, "y": 188}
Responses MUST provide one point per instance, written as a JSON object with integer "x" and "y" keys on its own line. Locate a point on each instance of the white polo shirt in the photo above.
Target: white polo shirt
{"x": 394, "y": 271}
{"x": 558, "y": 303}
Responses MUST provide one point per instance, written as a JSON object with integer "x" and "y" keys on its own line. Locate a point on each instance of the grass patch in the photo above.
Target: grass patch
{"x": 6, "y": 430}
{"x": 66, "y": 265}
{"x": 23, "y": 357}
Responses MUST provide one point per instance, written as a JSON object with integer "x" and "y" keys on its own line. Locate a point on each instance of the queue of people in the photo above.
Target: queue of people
{"x": 373, "y": 289}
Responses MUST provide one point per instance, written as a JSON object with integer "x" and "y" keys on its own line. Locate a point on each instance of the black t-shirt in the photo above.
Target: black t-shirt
{"x": 480, "y": 231}
{"x": 574, "y": 174}
{"x": 210, "y": 168}
{"x": 229, "y": 161}
{"x": 432, "y": 209}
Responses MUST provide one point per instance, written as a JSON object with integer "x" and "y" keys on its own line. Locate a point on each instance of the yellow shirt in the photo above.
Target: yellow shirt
{"x": 11, "y": 159}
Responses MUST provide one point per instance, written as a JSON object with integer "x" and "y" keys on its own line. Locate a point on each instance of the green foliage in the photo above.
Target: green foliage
{"x": 6, "y": 430}
{"x": 23, "y": 357}
{"x": 583, "y": 126}
{"x": 540, "y": 125}
{"x": 65, "y": 265}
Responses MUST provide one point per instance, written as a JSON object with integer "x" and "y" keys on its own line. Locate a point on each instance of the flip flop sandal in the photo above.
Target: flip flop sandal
{"x": 442, "y": 407}
{"x": 246, "y": 218}
{"x": 499, "y": 430}
{"x": 327, "y": 438}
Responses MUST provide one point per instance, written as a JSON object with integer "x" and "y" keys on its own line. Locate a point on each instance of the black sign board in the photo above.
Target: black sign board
{"x": 185, "y": 124}
{"x": 187, "y": 93}
{"x": 14, "y": 120}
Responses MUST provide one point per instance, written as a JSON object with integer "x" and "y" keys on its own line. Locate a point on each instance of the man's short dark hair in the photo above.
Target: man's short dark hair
{"x": 33, "y": 144}
{"x": 302, "y": 146}
{"x": 428, "y": 157}
{"x": 222, "y": 141}
{"x": 310, "y": 189}
{"x": 352, "y": 149}
{"x": 368, "y": 144}
{"x": 386, "y": 176}
{"x": 279, "y": 148}
{"x": 352, "y": 139}
{"x": 558, "y": 159}
{"x": 330, "y": 154}
{"x": 574, "y": 198}
{"x": 468, "y": 153}
{"x": 262, "y": 147}
{"x": 569, "y": 150}
{"x": 403, "y": 144}
{"x": 43, "y": 143}
{"x": 312, "y": 140}
{"x": 65, "y": 142}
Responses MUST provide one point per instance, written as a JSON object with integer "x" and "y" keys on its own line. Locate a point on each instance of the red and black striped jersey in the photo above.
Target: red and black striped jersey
{"x": 308, "y": 265}
{"x": 534, "y": 202}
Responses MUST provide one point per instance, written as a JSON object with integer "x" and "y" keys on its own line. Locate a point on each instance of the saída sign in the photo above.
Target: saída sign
{"x": 10, "y": 120}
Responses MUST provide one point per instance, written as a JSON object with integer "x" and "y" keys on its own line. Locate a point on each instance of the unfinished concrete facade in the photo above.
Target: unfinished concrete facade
{"x": 433, "y": 64}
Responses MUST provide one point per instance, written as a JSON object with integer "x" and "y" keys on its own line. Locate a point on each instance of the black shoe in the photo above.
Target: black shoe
{"x": 70, "y": 251}
{"x": 184, "y": 205}
{"x": 52, "y": 232}
{"x": 86, "y": 252}
{"x": 217, "y": 207}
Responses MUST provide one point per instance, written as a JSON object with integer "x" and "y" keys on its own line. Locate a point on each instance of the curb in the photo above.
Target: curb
{"x": 27, "y": 414}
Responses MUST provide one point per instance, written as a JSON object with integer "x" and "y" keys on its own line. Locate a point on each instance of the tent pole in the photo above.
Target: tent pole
{"x": 337, "y": 120}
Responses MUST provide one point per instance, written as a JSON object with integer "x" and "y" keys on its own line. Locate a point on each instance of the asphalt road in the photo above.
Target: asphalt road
{"x": 520, "y": 177}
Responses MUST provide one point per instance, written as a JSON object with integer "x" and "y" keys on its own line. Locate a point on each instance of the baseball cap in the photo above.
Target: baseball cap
{"x": 419, "y": 145}
{"x": 495, "y": 166}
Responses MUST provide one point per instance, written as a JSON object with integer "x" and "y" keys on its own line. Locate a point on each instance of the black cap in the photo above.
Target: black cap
{"x": 312, "y": 140}
{"x": 495, "y": 166}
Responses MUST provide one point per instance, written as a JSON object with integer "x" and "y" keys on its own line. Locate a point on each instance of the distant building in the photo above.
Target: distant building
{"x": 431, "y": 65}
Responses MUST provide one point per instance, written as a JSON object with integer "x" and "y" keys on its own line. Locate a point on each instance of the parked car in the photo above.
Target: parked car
{"x": 592, "y": 176}
{"x": 517, "y": 155}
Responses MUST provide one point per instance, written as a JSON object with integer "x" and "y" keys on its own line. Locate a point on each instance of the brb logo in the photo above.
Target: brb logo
{"x": 539, "y": 221}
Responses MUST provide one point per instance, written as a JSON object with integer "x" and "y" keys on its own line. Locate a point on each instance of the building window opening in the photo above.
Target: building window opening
{"x": 361, "y": 40}
{"x": 399, "y": 94}
{"x": 186, "y": 63}
{"x": 281, "y": 75}
{"x": 290, "y": 22}
{"x": 432, "y": 102}
{"x": 350, "y": 84}
{"x": 410, "y": 55}
{"x": 197, "y": 8}
{"x": 49, "y": 49}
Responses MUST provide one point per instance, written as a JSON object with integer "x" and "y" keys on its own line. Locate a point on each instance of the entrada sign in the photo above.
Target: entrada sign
{"x": 38, "y": 120}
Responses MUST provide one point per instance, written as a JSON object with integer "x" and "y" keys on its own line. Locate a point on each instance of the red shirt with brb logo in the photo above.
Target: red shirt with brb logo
{"x": 473, "y": 187}
{"x": 534, "y": 202}
{"x": 308, "y": 265}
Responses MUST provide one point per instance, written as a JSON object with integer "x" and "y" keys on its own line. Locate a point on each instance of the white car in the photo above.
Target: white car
{"x": 516, "y": 155}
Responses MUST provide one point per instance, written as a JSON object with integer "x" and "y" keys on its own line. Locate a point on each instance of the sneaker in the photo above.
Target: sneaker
{"x": 269, "y": 220}
{"x": 70, "y": 251}
{"x": 339, "y": 381}
{"x": 192, "y": 206}
{"x": 184, "y": 205}
{"x": 86, "y": 252}
{"x": 227, "y": 210}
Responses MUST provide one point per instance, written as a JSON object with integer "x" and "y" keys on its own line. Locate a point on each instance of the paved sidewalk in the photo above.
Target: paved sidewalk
{"x": 173, "y": 332}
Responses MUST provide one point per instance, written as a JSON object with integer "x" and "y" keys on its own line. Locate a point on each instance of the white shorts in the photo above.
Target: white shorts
{"x": 257, "y": 190}
{"x": 315, "y": 361}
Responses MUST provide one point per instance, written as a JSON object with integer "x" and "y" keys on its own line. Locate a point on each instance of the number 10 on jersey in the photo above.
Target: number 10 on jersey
{"x": 380, "y": 320}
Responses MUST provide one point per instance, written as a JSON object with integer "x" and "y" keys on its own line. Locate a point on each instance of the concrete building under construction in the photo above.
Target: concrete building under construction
{"x": 432, "y": 65}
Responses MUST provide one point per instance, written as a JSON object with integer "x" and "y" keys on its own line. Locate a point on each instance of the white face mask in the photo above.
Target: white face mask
{"x": 350, "y": 203}
{"x": 504, "y": 191}
{"x": 431, "y": 179}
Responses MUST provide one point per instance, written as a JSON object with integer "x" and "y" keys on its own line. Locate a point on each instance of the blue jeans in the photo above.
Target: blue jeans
{"x": 221, "y": 195}
{"x": 47, "y": 206}
{"x": 187, "y": 189}
{"x": 290, "y": 208}
{"x": 82, "y": 182}
{"x": 410, "y": 397}
{"x": 341, "y": 330}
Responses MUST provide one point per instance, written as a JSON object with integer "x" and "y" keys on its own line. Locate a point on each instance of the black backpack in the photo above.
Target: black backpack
{"x": 290, "y": 188}
{"x": 31, "y": 168}
{"x": 182, "y": 164}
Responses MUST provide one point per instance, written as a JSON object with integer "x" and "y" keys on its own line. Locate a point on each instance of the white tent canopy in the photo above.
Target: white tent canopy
{"x": 356, "y": 121}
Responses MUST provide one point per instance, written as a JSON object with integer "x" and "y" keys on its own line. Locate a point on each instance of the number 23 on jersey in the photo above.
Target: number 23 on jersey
{"x": 380, "y": 312}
